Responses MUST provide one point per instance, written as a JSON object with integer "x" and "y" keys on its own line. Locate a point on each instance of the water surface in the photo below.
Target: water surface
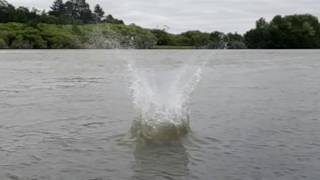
{"x": 67, "y": 114}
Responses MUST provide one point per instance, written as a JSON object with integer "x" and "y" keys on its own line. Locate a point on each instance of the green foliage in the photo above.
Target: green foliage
{"x": 110, "y": 19}
{"x": 98, "y": 12}
{"x": 3, "y": 44}
{"x": 295, "y": 31}
{"x": 21, "y": 36}
{"x": 24, "y": 36}
{"x": 217, "y": 40}
{"x": 117, "y": 36}
{"x": 72, "y": 24}
{"x": 29, "y": 38}
{"x": 58, "y": 8}
{"x": 234, "y": 41}
{"x": 58, "y": 37}
{"x": 163, "y": 38}
{"x": 70, "y": 12}
{"x": 200, "y": 40}
{"x": 196, "y": 38}
{"x": 21, "y": 43}
{"x": 140, "y": 38}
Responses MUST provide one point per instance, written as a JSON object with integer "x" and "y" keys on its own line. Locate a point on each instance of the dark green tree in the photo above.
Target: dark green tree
{"x": 70, "y": 12}
{"x": 79, "y": 11}
{"x": 7, "y": 12}
{"x": 216, "y": 40}
{"x": 57, "y": 8}
{"x": 110, "y": 19}
{"x": 99, "y": 13}
{"x": 163, "y": 38}
{"x": 294, "y": 31}
{"x": 235, "y": 41}
{"x": 261, "y": 23}
{"x": 196, "y": 38}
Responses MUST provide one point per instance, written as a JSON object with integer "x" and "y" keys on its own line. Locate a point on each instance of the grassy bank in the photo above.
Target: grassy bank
{"x": 50, "y": 36}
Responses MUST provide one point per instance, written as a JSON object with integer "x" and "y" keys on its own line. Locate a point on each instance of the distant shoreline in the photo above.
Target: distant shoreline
{"x": 75, "y": 25}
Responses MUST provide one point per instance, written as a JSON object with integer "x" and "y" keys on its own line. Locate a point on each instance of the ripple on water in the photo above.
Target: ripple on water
{"x": 93, "y": 124}
{"x": 4, "y": 91}
{"x": 169, "y": 161}
{"x": 12, "y": 176}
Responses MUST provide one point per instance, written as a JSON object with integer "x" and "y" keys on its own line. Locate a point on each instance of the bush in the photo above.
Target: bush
{"x": 21, "y": 43}
{"x": 104, "y": 36}
{"x": 236, "y": 45}
{"x": 3, "y": 44}
{"x": 59, "y": 37}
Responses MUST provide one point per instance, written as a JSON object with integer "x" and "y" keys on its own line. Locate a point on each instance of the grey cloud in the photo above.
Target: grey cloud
{"x": 205, "y": 15}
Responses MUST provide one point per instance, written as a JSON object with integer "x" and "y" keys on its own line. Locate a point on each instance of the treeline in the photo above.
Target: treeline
{"x": 69, "y": 25}
{"x": 200, "y": 40}
{"x": 72, "y": 24}
{"x": 95, "y": 36}
{"x": 70, "y": 12}
{"x": 288, "y": 32}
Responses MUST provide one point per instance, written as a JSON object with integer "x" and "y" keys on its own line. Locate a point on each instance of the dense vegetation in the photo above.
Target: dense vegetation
{"x": 68, "y": 25}
{"x": 72, "y": 24}
{"x": 294, "y": 31}
{"x": 288, "y": 32}
{"x": 70, "y": 12}
{"x": 200, "y": 40}
{"x": 16, "y": 35}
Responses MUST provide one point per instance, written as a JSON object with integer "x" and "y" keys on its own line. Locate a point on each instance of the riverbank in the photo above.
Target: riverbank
{"x": 303, "y": 33}
{"x": 91, "y": 36}
{"x": 174, "y": 47}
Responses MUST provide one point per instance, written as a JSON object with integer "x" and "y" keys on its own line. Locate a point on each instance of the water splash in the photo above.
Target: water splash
{"x": 162, "y": 100}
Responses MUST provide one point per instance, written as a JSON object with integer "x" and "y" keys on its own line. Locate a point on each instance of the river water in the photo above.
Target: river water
{"x": 67, "y": 115}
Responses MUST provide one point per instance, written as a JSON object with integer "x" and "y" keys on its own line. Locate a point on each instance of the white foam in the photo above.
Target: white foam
{"x": 165, "y": 100}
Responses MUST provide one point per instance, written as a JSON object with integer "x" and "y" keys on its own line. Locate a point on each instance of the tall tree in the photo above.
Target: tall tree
{"x": 261, "y": 23}
{"x": 99, "y": 13}
{"x": 70, "y": 9}
{"x": 216, "y": 40}
{"x": 83, "y": 11}
{"x": 110, "y": 19}
{"x": 57, "y": 8}
{"x": 79, "y": 10}
{"x": 6, "y": 11}
{"x": 294, "y": 31}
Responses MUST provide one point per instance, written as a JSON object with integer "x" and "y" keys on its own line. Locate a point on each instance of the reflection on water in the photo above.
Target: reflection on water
{"x": 160, "y": 161}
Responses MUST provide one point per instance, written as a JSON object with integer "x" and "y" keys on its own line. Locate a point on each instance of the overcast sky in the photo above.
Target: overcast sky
{"x": 205, "y": 15}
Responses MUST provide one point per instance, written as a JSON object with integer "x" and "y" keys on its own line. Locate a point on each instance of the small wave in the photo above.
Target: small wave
{"x": 161, "y": 131}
